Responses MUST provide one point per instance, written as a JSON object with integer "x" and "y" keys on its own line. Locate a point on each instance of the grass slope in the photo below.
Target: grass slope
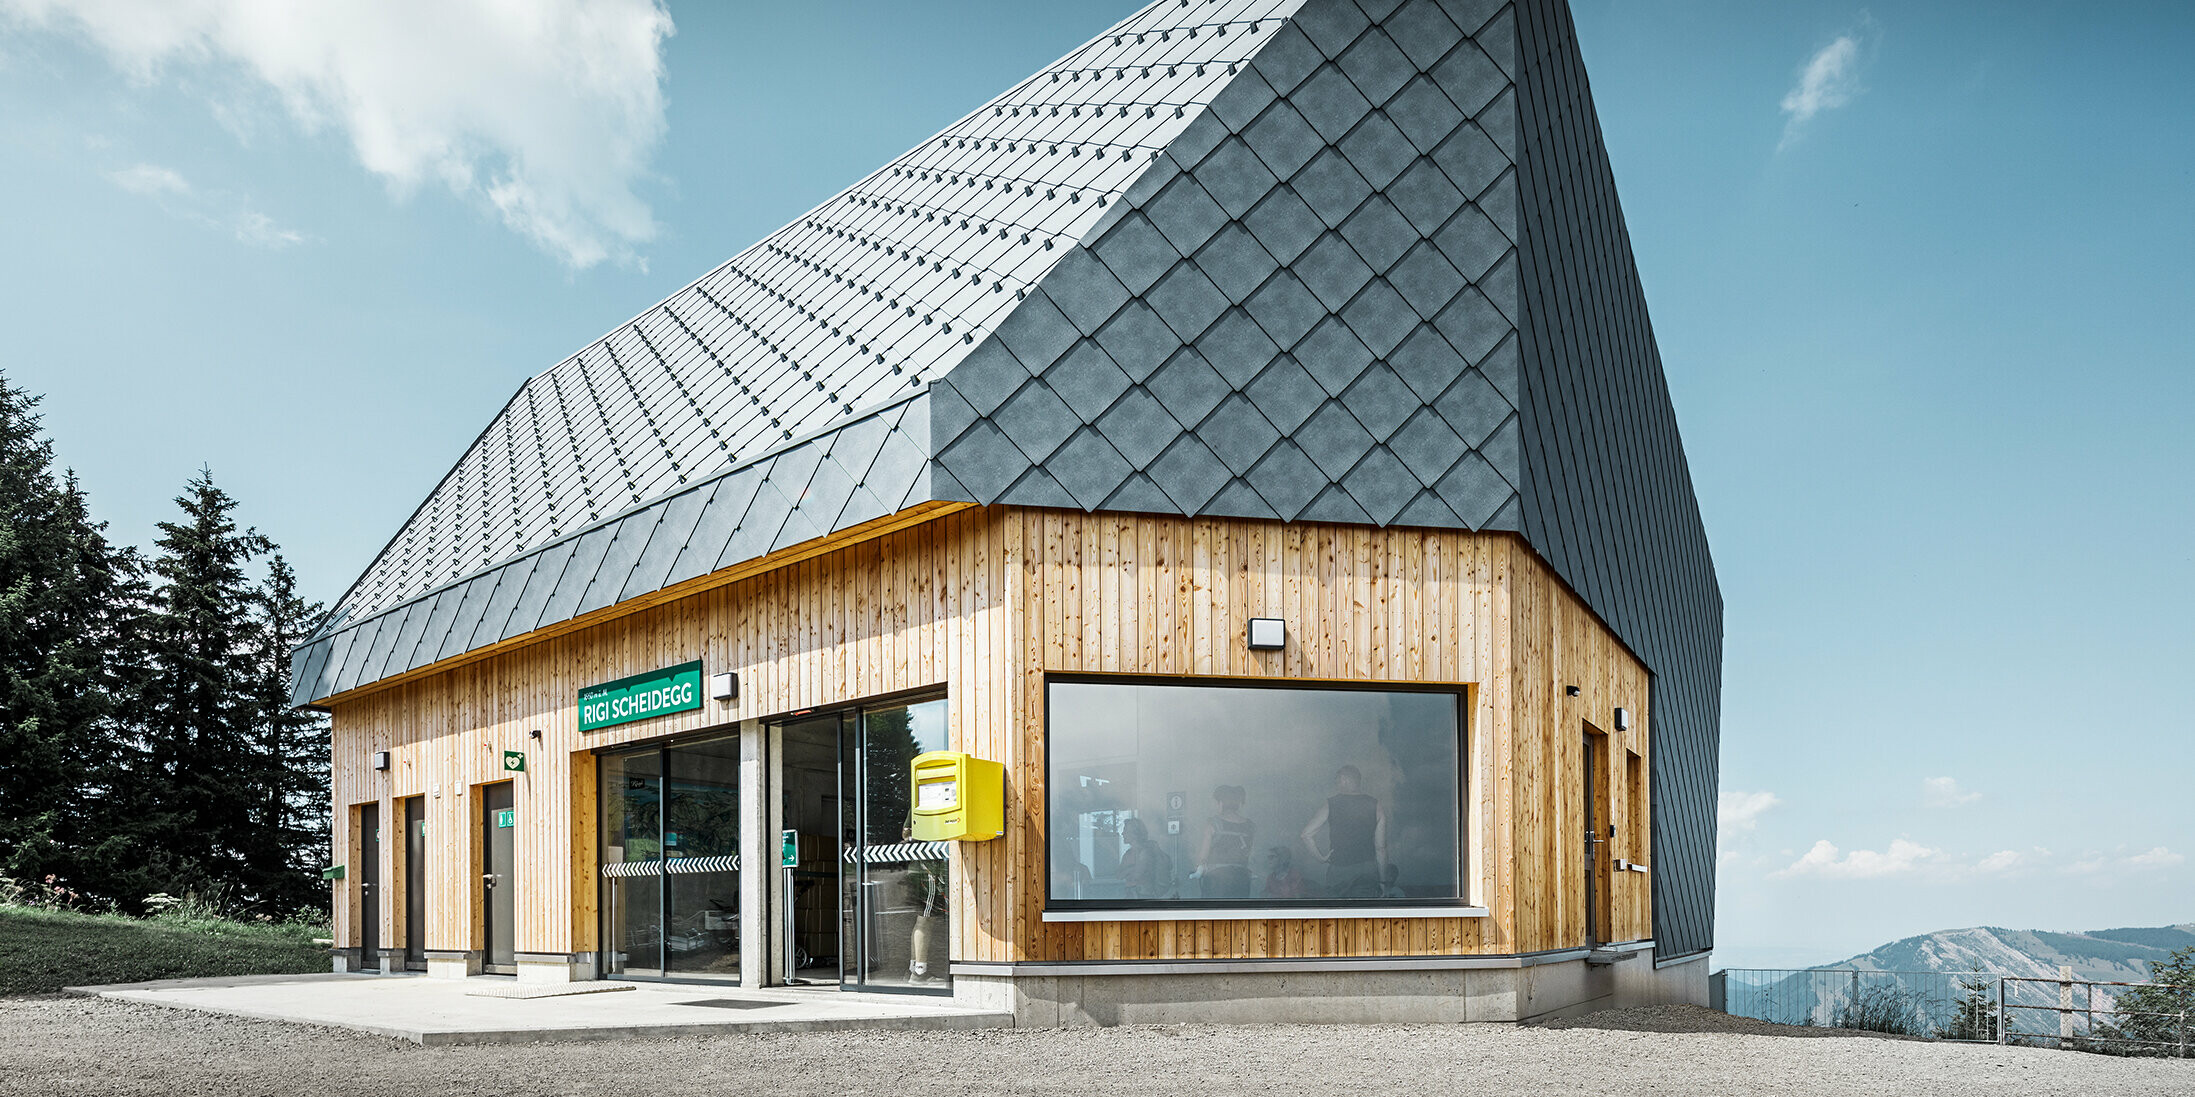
{"x": 42, "y": 951}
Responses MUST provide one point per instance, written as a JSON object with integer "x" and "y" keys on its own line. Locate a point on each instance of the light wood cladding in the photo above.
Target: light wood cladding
{"x": 985, "y": 602}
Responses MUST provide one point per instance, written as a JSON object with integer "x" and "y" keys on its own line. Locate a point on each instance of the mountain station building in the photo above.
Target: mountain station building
{"x": 1235, "y": 461}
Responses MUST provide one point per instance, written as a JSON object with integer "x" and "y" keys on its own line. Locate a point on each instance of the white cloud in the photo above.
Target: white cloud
{"x": 260, "y": 231}
{"x": 2001, "y": 862}
{"x": 2159, "y": 857}
{"x": 1738, "y": 812}
{"x": 545, "y": 110}
{"x": 1828, "y": 80}
{"x": 1944, "y": 792}
{"x": 216, "y": 209}
{"x": 1825, "y": 861}
{"x": 150, "y": 179}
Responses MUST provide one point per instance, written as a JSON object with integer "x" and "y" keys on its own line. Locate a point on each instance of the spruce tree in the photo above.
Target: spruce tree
{"x": 196, "y": 771}
{"x": 293, "y": 748}
{"x": 63, "y": 591}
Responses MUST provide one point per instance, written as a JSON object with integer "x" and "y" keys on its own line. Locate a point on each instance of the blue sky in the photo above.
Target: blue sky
{"x": 1919, "y": 279}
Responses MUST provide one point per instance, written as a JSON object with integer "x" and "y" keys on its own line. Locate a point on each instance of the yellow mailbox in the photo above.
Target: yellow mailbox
{"x": 958, "y": 797}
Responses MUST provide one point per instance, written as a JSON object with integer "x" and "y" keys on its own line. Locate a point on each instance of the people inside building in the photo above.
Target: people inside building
{"x": 1356, "y": 838}
{"x": 1223, "y": 857}
{"x": 1145, "y": 869}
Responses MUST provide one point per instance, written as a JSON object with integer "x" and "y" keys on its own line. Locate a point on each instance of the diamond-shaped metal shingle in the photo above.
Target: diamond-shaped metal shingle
{"x": 984, "y": 460}
{"x": 1188, "y": 386}
{"x": 1333, "y": 438}
{"x": 1137, "y": 340}
{"x": 1330, "y": 103}
{"x": 1087, "y": 380}
{"x": 1237, "y": 347}
{"x": 1037, "y": 333}
{"x": 1283, "y": 224}
{"x": 1331, "y": 27}
{"x": 1037, "y": 420}
{"x": 1380, "y": 317}
{"x": 1379, "y": 233}
{"x": 1138, "y": 426}
{"x": 1425, "y": 279}
{"x": 1189, "y": 473}
{"x": 1472, "y": 242}
{"x": 1097, "y": 294}
{"x": 1375, "y": 66}
{"x": 1136, "y": 253}
{"x": 1186, "y": 300}
{"x": 1185, "y": 214}
{"x": 1378, "y": 150}
{"x": 1235, "y": 262}
{"x": 1286, "y": 479}
{"x": 1470, "y": 159}
{"x": 1473, "y": 490}
{"x": 1427, "y": 446}
{"x": 1469, "y": 78}
{"x": 1238, "y": 433}
{"x": 1422, "y": 111}
{"x": 1472, "y": 324}
{"x": 1426, "y": 362}
{"x": 1422, "y": 31}
{"x": 1286, "y": 394}
{"x": 1284, "y": 308}
{"x": 1333, "y": 354}
{"x": 1330, "y": 185}
{"x": 1381, "y": 485}
{"x": 1235, "y": 177}
{"x": 1282, "y": 140}
{"x": 1332, "y": 270}
{"x": 1380, "y": 400}
{"x": 1089, "y": 467}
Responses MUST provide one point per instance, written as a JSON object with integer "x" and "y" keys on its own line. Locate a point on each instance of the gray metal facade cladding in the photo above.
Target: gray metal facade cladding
{"x": 1608, "y": 497}
{"x": 1306, "y": 310}
{"x": 1333, "y": 261}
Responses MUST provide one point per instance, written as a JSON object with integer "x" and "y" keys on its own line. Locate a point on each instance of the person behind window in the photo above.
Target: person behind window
{"x": 1145, "y": 870}
{"x": 1223, "y": 857}
{"x": 1283, "y": 880}
{"x": 1356, "y": 838}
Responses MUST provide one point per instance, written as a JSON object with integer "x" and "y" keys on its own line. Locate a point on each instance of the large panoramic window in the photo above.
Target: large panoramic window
{"x": 1230, "y": 795}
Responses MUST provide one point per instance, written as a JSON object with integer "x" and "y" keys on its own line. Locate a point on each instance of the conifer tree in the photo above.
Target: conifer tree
{"x": 293, "y": 747}
{"x": 63, "y": 590}
{"x": 196, "y": 764}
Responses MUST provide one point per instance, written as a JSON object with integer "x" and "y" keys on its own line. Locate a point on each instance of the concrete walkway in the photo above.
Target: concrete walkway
{"x": 452, "y": 1011}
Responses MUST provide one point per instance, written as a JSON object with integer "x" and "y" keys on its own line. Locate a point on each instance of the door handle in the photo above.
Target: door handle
{"x": 490, "y": 878}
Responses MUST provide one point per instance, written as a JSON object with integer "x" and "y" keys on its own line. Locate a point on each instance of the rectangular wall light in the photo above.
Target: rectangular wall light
{"x": 1268, "y": 634}
{"x": 380, "y": 759}
{"x": 724, "y": 687}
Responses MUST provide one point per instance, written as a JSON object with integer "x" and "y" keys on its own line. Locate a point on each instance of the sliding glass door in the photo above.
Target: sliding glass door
{"x": 670, "y": 860}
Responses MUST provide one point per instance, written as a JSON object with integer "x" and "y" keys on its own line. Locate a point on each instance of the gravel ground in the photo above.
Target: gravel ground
{"x": 52, "y": 1046}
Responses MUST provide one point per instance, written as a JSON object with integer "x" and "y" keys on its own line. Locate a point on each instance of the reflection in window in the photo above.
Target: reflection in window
{"x": 1252, "y": 795}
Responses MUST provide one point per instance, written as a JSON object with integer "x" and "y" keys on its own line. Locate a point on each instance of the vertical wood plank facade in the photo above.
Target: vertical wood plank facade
{"x": 986, "y": 602}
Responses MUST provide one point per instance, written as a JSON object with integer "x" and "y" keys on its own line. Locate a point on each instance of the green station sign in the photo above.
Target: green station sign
{"x": 656, "y": 693}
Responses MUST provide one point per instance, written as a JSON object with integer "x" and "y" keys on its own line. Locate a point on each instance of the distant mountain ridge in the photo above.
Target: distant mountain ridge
{"x": 2104, "y": 955}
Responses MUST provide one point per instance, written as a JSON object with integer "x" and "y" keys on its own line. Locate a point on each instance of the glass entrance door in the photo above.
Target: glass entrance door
{"x": 866, "y": 899}
{"x": 670, "y": 860}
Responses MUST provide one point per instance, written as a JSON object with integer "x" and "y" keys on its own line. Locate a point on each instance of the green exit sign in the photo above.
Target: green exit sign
{"x": 788, "y": 853}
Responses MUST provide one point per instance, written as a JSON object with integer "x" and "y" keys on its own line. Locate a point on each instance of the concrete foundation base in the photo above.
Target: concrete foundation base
{"x": 554, "y": 967}
{"x": 453, "y": 965}
{"x": 1324, "y": 992}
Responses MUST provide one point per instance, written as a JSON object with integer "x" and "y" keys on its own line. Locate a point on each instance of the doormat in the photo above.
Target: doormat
{"x": 544, "y": 990}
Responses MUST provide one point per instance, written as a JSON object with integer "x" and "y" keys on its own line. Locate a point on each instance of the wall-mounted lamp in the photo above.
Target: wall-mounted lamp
{"x": 534, "y": 734}
{"x": 1570, "y": 691}
{"x": 1623, "y": 720}
{"x": 724, "y": 687}
{"x": 380, "y": 759}
{"x": 1268, "y": 634}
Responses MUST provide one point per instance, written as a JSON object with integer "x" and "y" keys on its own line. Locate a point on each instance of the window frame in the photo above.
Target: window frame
{"x": 1323, "y": 907}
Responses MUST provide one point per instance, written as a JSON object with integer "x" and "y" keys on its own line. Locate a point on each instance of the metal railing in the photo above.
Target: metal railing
{"x": 1934, "y": 1004}
{"x": 2108, "y": 1028}
{"x": 1969, "y": 1007}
